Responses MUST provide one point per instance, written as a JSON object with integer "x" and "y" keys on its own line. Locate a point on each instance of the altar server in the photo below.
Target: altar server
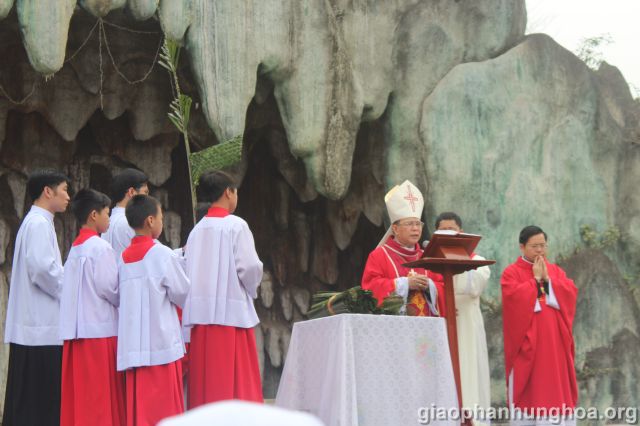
{"x": 92, "y": 389}
{"x": 124, "y": 186}
{"x": 150, "y": 344}
{"x": 32, "y": 396}
{"x": 225, "y": 273}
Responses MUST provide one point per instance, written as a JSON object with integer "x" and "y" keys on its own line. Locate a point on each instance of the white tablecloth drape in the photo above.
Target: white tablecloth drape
{"x": 368, "y": 370}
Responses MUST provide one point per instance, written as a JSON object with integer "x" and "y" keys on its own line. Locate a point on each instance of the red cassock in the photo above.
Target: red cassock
{"x": 223, "y": 359}
{"x": 185, "y": 358}
{"x": 384, "y": 265}
{"x": 538, "y": 346}
{"x": 223, "y": 365}
{"x": 154, "y": 393}
{"x": 92, "y": 390}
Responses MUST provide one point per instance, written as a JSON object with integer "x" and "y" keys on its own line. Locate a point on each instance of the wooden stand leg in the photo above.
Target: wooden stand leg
{"x": 452, "y": 332}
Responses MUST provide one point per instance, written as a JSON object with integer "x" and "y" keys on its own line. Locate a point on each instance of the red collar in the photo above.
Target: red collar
{"x": 217, "y": 212}
{"x": 403, "y": 251}
{"x": 140, "y": 245}
{"x": 84, "y": 235}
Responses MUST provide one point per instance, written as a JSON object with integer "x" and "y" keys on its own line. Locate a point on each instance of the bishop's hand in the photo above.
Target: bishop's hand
{"x": 418, "y": 282}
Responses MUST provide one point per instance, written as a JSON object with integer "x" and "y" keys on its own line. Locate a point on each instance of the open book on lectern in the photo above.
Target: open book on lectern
{"x": 451, "y": 245}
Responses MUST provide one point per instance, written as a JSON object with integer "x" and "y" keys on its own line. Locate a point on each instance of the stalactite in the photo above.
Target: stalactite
{"x": 332, "y": 115}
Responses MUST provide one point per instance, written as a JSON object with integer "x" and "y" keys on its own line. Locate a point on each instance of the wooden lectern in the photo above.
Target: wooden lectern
{"x": 449, "y": 253}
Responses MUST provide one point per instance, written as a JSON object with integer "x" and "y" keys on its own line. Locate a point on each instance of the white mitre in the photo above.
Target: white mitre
{"x": 402, "y": 201}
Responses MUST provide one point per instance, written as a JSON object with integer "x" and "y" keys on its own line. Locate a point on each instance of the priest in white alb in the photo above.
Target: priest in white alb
{"x": 472, "y": 341}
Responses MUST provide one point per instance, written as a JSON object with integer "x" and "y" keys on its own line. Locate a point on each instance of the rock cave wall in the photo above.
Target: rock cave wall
{"x": 337, "y": 101}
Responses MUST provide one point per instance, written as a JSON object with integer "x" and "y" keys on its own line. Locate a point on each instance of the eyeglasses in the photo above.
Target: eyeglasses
{"x": 416, "y": 223}
{"x": 538, "y": 246}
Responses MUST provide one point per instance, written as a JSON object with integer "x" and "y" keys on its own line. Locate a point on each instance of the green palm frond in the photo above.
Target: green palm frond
{"x": 170, "y": 55}
{"x": 215, "y": 157}
{"x": 180, "y": 107}
{"x": 179, "y": 112}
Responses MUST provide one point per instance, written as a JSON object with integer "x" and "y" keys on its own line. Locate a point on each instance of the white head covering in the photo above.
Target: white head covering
{"x": 403, "y": 201}
{"x": 239, "y": 413}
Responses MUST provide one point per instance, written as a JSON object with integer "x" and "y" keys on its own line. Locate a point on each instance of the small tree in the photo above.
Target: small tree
{"x": 590, "y": 49}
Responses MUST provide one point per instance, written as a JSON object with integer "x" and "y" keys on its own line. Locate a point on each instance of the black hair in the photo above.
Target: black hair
{"x": 139, "y": 208}
{"x": 127, "y": 178}
{"x": 529, "y": 231}
{"x": 201, "y": 211}
{"x": 40, "y": 179}
{"x": 448, "y": 216}
{"x": 212, "y": 185}
{"x": 86, "y": 201}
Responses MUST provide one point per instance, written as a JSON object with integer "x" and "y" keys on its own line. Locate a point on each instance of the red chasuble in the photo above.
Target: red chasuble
{"x": 384, "y": 265}
{"x": 223, "y": 360}
{"x": 153, "y": 392}
{"x": 538, "y": 346}
{"x": 92, "y": 389}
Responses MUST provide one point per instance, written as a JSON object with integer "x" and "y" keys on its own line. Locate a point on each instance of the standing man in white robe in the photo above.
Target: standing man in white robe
{"x": 225, "y": 272}
{"x": 124, "y": 186}
{"x": 472, "y": 341}
{"x": 32, "y": 396}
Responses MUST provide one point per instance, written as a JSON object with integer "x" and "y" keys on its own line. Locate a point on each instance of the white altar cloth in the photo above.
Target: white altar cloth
{"x": 368, "y": 370}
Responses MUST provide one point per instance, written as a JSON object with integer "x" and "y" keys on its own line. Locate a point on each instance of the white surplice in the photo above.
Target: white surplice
{"x": 33, "y": 311}
{"x": 472, "y": 342}
{"x": 90, "y": 298}
{"x": 149, "y": 331}
{"x": 119, "y": 234}
{"x": 225, "y": 273}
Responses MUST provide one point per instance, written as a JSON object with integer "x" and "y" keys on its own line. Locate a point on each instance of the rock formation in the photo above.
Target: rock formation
{"x": 337, "y": 101}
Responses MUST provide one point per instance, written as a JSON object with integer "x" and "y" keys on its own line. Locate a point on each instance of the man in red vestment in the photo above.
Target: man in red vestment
{"x": 384, "y": 274}
{"x": 539, "y": 305}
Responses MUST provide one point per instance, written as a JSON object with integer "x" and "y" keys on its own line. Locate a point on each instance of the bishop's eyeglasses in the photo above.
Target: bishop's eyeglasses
{"x": 411, "y": 224}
